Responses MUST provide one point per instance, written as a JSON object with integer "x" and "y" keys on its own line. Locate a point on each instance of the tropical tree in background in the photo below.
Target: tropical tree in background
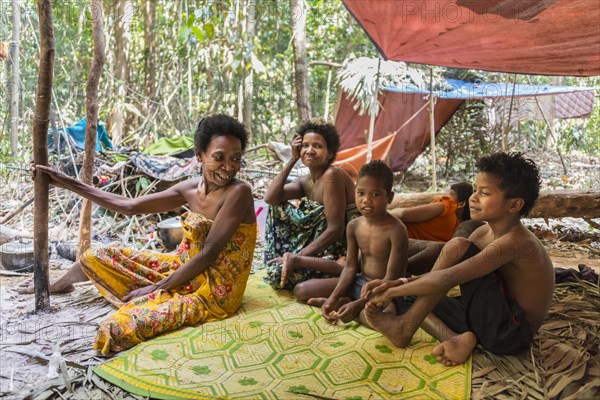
{"x": 170, "y": 62}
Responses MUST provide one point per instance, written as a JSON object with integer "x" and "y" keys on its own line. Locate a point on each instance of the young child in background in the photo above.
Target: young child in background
{"x": 377, "y": 249}
{"x": 505, "y": 275}
{"x": 439, "y": 219}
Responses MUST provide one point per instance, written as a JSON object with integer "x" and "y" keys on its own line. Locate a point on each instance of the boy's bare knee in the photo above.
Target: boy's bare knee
{"x": 455, "y": 248}
{"x": 301, "y": 291}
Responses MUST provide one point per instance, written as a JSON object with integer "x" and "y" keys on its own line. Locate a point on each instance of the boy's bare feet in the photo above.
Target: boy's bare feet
{"x": 393, "y": 327}
{"x": 455, "y": 351}
{"x": 319, "y": 301}
{"x": 288, "y": 267}
{"x": 316, "y": 301}
{"x": 349, "y": 311}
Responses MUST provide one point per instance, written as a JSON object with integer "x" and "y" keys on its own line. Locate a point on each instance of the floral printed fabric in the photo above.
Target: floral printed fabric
{"x": 290, "y": 229}
{"x": 214, "y": 294}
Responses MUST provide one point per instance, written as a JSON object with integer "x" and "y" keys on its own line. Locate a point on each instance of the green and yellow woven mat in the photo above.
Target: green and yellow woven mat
{"x": 276, "y": 348}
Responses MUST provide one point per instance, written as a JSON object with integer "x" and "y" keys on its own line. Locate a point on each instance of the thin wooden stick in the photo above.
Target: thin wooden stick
{"x": 17, "y": 211}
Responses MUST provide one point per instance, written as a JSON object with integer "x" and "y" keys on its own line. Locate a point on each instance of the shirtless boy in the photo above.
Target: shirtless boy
{"x": 505, "y": 275}
{"x": 377, "y": 248}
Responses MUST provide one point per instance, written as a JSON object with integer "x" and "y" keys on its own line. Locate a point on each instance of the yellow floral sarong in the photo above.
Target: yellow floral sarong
{"x": 214, "y": 294}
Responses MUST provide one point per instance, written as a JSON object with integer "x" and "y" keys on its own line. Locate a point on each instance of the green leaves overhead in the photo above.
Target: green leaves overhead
{"x": 201, "y": 31}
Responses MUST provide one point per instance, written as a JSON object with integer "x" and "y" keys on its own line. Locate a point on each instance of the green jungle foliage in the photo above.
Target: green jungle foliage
{"x": 202, "y": 55}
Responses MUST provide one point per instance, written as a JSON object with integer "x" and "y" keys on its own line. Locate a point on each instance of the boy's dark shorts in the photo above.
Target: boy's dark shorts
{"x": 483, "y": 308}
{"x": 357, "y": 285}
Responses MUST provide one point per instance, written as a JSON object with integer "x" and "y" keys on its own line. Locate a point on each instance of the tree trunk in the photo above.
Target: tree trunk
{"x": 15, "y": 86}
{"x": 149, "y": 59}
{"x": 149, "y": 44}
{"x": 41, "y": 120}
{"x": 249, "y": 73}
{"x": 91, "y": 126}
{"x": 123, "y": 15}
{"x": 299, "y": 11}
{"x": 550, "y": 204}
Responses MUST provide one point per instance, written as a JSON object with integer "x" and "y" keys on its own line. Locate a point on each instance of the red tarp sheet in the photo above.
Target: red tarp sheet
{"x": 547, "y": 37}
{"x": 396, "y": 109}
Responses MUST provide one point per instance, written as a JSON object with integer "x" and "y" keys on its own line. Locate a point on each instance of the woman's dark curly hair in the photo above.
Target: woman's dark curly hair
{"x": 326, "y": 130}
{"x": 218, "y": 125}
{"x": 463, "y": 191}
{"x": 519, "y": 176}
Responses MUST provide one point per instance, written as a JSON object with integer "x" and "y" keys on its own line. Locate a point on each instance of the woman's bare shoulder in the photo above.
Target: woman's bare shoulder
{"x": 241, "y": 188}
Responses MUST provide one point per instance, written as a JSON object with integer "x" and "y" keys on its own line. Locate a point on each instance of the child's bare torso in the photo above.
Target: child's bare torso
{"x": 529, "y": 278}
{"x": 375, "y": 244}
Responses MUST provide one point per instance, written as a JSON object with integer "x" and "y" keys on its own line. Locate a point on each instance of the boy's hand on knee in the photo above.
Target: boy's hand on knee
{"x": 381, "y": 300}
{"x": 368, "y": 288}
{"x": 378, "y": 286}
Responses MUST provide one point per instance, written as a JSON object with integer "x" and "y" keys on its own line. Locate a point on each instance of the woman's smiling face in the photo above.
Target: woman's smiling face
{"x": 221, "y": 161}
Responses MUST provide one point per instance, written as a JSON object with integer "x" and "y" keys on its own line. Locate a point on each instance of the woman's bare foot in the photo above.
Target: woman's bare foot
{"x": 55, "y": 287}
{"x": 64, "y": 284}
{"x": 456, "y": 351}
{"x": 288, "y": 267}
{"x": 393, "y": 327}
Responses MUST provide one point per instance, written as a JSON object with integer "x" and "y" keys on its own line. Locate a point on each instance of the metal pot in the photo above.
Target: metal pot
{"x": 170, "y": 232}
{"x": 17, "y": 255}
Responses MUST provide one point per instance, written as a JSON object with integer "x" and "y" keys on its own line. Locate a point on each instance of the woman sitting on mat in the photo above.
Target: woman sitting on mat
{"x": 205, "y": 279}
{"x": 439, "y": 219}
{"x": 298, "y": 237}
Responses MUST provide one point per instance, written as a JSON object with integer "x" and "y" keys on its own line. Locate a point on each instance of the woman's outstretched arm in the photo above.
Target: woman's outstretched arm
{"x": 163, "y": 201}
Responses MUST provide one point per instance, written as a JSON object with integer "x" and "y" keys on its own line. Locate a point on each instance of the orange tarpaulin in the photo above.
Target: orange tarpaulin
{"x": 351, "y": 160}
{"x": 547, "y": 37}
{"x": 396, "y": 110}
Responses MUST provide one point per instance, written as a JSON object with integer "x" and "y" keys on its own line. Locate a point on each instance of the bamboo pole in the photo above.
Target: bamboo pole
{"x": 41, "y": 120}
{"x": 373, "y": 112}
{"x": 15, "y": 79}
{"x": 432, "y": 130}
{"x": 507, "y": 126}
{"x": 329, "y": 73}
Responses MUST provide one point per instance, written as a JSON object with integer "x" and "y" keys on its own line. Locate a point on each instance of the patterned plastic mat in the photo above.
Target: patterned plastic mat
{"x": 277, "y": 348}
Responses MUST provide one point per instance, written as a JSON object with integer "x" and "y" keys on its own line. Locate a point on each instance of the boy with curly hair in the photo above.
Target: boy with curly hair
{"x": 505, "y": 275}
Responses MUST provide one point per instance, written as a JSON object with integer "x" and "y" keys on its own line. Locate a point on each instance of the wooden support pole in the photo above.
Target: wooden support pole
{"x": 432, "y": 130}
{"x": 41, "y": 121}
{"x": 326, "y": 114}
{"x": 373, "y": 113}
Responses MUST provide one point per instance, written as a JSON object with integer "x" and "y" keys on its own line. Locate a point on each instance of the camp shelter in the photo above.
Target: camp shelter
{"x": 546, "y": 37}
{"x": 543, "y": 37}
{"x": 400, "y": 105}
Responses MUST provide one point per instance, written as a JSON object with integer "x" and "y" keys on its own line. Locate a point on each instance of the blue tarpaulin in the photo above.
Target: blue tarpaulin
{"x": 76, "y": 134}
{"x": 456, "y": 89}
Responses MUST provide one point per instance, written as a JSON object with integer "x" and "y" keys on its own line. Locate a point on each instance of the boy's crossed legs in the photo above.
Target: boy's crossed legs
{"x": 399, "y": 329}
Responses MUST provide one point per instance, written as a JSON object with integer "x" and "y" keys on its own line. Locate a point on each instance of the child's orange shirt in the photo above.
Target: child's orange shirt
{"x": 440, "y": 228}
